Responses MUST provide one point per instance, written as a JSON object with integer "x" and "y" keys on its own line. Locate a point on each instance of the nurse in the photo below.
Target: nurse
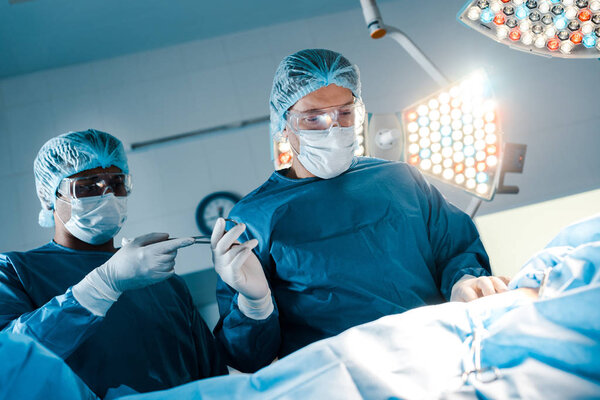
{"x": 336, "y": 240}
{"x": 116, "y": 316}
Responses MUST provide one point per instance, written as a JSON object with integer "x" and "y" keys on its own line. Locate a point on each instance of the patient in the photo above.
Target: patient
{"x": 510, "y": 345}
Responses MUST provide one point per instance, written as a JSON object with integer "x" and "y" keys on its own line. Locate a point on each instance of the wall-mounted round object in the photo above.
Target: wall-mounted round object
{"x": 385, "y": 138}
{"x": 215, "y": 205}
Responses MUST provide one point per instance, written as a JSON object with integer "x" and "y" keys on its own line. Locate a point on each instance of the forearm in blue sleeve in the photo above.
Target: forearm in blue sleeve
{"x": 249, "y": 344}
{"x": 471, "y": 260}
{"x": 455, "y": 242}
{"x": 30, "y": 371}
{"x": 60, "y": 325}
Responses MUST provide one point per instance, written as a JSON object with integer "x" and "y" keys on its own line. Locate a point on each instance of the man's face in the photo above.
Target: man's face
{"x": 325, "y": 97}
{"x": 63, "y": 208}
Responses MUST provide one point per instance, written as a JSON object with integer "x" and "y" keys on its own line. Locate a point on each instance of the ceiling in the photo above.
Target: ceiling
{"x": 42, "y": 34}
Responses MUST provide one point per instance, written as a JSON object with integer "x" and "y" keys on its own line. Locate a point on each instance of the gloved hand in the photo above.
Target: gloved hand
{"x": 239, "y": 267}
{"x": 141, "y": 262}
{"x": 470, "y": 288}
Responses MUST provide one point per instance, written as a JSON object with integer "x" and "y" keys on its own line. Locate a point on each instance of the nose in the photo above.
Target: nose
{"x": 329, "y": 120}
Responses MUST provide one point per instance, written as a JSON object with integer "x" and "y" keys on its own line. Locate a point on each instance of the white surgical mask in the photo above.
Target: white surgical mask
{"x": 327, "y": 153}
{"x": 96, "y": 220}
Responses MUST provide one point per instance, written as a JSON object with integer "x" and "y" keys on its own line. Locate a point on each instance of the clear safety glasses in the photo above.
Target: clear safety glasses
{"x": 323, "y": 119}
{"x": 96, "y": 185}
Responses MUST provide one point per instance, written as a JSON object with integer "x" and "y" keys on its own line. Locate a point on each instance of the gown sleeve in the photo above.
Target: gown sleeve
{"x": 30, "y": 371}
{"x": 454, "y": 239}
{"x": 60, "y": 325}
{"x": 249, "y": 344}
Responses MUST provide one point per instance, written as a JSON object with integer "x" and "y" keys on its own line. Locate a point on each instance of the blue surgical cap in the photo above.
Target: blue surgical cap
{"x": 70, "y": 154}
{"x": 304, "y": 72}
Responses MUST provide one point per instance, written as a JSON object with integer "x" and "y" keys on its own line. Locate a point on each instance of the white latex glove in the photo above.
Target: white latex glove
{"x": 239, "y": 267}
{"x": 141, "y": 262}
{"x": 470, "y": 288}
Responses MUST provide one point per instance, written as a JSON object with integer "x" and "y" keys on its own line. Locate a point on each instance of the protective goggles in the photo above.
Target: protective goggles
{"x": 324, "y": 118}
{"x": 96, "y": 185}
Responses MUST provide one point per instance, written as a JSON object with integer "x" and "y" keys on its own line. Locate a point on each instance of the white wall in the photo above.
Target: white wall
{"x": 511, "y": 237}
{"x": 144, "y": 96}
{"x": 551, "y": 105}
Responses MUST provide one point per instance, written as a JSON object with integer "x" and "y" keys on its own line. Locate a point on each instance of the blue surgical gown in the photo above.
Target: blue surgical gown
{"x": 150, "y": 339}
{"x": 374, "y": 241}
{"x": 30, "y": 371}
{"x": 545, "y": 348}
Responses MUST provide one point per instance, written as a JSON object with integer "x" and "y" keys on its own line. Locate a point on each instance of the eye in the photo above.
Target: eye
{"x": 83, "y": 190}
{"x": 312, "y": 118}
{"x": 117, "y": 180}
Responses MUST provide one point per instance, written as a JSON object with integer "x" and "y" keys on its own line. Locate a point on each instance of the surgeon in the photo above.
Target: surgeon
{"x": 118, "y": 317}
{"x": 336, "y": 240}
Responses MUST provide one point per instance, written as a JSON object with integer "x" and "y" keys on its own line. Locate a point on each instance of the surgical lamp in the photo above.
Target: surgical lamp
{"x": 452, "y": 135}
{"x": 552, "y": 28}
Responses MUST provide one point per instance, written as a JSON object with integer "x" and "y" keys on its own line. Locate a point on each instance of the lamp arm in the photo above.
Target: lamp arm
{"x": 420, "y": 58}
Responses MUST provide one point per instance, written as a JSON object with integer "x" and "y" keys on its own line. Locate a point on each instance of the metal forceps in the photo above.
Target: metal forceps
{"x": 205, "y": 239}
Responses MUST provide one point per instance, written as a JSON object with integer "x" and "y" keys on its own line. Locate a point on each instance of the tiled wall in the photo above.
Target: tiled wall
{"x": 551, "y": 105}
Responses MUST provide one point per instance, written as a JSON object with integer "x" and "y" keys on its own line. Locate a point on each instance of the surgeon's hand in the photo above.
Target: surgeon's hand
{"x": 470, "y": 288}
{"x": 239, "y": 267}
{"x": 141, "y": 262}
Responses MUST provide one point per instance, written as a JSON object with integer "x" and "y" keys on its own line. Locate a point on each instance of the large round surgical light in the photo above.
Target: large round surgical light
{"x": 462, "y": 147}
{"x": 567, "y": 28}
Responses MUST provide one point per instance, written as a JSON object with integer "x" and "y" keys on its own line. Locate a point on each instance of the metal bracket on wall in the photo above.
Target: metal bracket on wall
{"x": 513, "y": 161}
{"x": 226, "y": 127}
